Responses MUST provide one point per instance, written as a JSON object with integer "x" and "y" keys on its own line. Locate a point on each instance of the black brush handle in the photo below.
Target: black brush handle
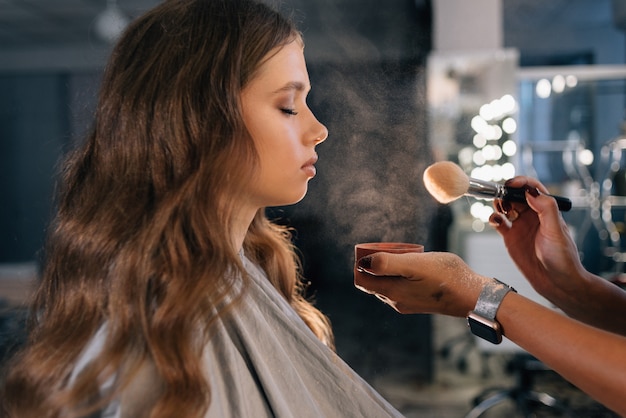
{"x": 518, "y": 194}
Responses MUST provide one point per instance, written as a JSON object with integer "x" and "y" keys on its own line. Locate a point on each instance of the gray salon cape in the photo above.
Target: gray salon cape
{"x": 263, "y": 361}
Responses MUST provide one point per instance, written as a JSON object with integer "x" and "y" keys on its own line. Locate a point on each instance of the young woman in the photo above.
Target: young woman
{"x": 166, "y": 291}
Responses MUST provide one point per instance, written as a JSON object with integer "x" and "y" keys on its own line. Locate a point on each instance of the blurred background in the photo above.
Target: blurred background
{"x": 501, "y": 87}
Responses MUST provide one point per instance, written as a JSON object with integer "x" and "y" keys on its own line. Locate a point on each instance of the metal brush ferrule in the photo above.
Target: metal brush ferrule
{"x": 485, "y": 189}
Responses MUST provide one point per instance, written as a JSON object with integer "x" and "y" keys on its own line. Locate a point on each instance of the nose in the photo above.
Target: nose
{"x": 322, "y": 133}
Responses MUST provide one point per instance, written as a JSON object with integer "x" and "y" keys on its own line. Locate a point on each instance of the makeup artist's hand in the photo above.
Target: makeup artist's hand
{"x": 430, "y": 282}
{"x": 539, "y": 242}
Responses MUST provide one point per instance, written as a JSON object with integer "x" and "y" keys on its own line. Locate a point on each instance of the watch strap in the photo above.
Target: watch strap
{"x": 490, "y": 299}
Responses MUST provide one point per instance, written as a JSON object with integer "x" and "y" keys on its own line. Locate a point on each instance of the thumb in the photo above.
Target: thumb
{"x": 388, "y": 264}
{"x": 500, "y": 223}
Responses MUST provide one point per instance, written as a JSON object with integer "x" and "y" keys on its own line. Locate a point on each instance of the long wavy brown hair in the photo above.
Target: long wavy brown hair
{"x": 141, "y": 239}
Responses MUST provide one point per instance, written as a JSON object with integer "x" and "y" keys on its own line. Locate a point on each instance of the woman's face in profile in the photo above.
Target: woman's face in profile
{"x": 284, "y": 130}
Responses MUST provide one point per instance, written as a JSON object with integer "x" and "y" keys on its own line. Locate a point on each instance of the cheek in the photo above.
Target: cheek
{"x": 264, "y": 149}
{"x": 276, "y": 142}
{"x": 256, "y": 118}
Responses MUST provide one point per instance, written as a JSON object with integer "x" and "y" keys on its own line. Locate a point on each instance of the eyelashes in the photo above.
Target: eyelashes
{"x": 288, "y": 111}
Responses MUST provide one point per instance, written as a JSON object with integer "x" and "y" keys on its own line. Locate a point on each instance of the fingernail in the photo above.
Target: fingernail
{"x": 506, "y": 206}
{"x": 496, "y": 220}
{"x": 365, "y": 263}
{"x": 532, "y": 191}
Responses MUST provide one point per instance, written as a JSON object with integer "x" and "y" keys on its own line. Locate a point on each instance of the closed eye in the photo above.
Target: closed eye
{"x": 288, "y": 111}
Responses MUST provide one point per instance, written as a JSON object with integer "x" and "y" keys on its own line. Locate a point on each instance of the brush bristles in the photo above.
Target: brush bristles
{"x": 446, "y": 181}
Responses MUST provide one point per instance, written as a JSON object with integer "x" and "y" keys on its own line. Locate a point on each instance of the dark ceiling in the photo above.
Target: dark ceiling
{"x": 41, "y": 23}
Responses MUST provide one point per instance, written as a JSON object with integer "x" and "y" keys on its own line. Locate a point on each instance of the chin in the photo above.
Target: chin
{"x": 293, "y": 200}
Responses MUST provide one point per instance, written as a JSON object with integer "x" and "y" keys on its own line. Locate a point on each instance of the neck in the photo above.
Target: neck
{"x": 241, "y": 224}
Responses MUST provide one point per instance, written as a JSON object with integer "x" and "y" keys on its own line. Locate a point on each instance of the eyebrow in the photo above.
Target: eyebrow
{"x": 292, "y": 85}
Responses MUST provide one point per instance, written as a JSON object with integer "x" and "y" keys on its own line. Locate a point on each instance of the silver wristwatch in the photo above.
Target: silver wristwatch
{"x": 482, "y": 320}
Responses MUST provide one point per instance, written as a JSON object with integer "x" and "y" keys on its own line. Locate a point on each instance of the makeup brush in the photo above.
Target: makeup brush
{"x": 446, "y": 182}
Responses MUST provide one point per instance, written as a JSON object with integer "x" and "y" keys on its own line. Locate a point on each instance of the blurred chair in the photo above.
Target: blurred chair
{"x": 523, "y": 400}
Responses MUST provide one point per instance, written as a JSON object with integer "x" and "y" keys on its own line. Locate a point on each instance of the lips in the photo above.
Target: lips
{"x": 309, "y": 166}
{"x": 311, "y": 161}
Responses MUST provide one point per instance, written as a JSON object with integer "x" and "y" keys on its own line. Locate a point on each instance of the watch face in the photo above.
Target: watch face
{"x": 485, "y": 329}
